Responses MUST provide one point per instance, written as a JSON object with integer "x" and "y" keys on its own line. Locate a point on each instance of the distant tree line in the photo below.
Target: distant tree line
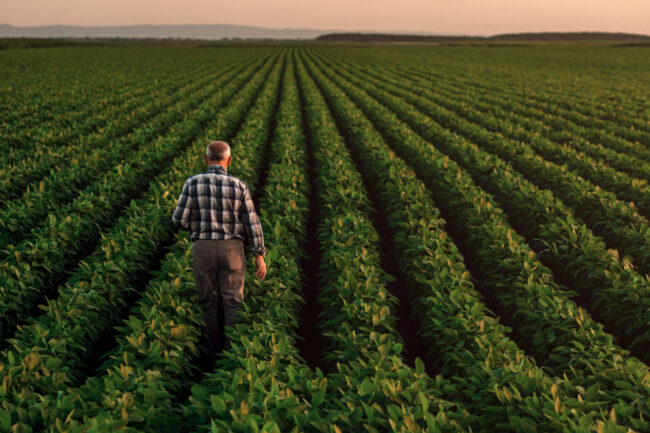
{"x": 24, "y": 42}
{"x": 624, "y": 39}
{"x": 570, "y": 36}
{"x": 509, "y": 37}
{"x": 18, "y": 43}
{"x": 381, "y": 37}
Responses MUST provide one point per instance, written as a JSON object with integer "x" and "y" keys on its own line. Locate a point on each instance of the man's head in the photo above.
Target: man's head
{"x": 218, "y": 152}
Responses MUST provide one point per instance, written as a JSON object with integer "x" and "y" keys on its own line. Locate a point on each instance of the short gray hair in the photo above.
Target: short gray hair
{"x": 217, "y": 151}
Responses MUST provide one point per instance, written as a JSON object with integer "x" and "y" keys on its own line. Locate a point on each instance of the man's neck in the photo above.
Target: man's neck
{"x": 217, "y": 164}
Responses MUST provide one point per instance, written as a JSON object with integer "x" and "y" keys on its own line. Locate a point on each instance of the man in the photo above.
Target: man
{"x": 217, "y": 208}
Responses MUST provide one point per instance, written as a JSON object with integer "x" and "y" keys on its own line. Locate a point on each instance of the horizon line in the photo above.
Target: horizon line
{"x": 406, "y": 32}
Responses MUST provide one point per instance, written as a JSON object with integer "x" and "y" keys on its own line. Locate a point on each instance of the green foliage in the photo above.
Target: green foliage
{"x": 509, "y": 271}
{"x": 536, "y": 169}
{"x": 32, "y": 266}
{"x": 48, "y": 355}
{"x": 371, "y": 385}
{"x": 492, "y": 369}
{"x": 95, "y": 156}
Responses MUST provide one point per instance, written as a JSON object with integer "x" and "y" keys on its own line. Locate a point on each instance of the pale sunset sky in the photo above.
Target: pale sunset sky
{"x": 471, "y": 17}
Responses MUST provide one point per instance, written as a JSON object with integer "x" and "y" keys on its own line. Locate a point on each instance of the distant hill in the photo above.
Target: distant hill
{"x": 510, "y": 37}
{"x": 198, "y": 31}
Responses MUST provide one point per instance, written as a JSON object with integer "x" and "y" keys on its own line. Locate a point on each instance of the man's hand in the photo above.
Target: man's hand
{"x": 261, "y": 267}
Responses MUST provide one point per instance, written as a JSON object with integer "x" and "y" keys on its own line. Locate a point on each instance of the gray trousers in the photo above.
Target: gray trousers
{"x": 219, "y": 267}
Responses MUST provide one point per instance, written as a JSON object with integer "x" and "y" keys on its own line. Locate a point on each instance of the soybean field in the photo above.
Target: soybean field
{"x": 458, "y": 238}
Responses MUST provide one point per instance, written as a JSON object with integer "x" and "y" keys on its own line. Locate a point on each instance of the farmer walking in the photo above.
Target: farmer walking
{"x": 216, "y": 208}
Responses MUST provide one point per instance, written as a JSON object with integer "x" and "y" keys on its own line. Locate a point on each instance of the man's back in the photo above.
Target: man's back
{"x": 217, "y": 205}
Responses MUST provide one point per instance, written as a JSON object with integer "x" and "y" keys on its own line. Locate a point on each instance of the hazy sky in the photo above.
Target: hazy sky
{"x": 479, "y": 17}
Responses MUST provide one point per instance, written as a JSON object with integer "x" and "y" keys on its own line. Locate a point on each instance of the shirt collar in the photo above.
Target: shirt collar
{"x": 217, "y": 167}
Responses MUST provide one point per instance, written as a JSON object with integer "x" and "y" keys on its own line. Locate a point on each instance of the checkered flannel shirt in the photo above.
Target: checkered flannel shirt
{"x": 217, "y": 205}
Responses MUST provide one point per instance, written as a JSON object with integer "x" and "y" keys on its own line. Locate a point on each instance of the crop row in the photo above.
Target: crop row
{"x": 32, "y": 109}
{"x": 553, "y": 328}
{"x": 595, "y": 126}
{"x": 103, "y": 113}
{"x": 492, "y": 377}
{"x": 34, "y": 265}
{"x": 251, "y": 389}
{"x": 24, "y": 174}
{"x": 526, "y": 123}
{"x": 331, "y": 128}
{"x": 631, "y": 370}
{"x": 597, "y": 143}
{"x": 569, "y": 102}
{"x": 544, "y": 140}
{"x": 570, "y": 120}
{"x": 610, "y": 167}
{"x": 78, "y": 91}
{"x": 46, "y": 135}
{"x": 172, "y": 351}
{"x": 576, "y": 256}
{"x": 84, "y": 171}
{"x": 618, "y": 223}
{"x": 52, "y": 346}
{"x": 369, "y": 383}
{"x": 261, "y": 380}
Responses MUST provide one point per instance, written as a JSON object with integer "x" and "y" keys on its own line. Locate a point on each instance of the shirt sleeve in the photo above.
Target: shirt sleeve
{"x": 252, "y": 224}
{"x": 181, "y": 215}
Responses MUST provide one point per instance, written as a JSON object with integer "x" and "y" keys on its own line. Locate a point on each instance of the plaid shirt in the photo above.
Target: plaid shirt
{"x": 217, "y": 205}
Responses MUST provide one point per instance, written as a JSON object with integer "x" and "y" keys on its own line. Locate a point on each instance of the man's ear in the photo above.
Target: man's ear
{"x": 229, "y": 159}
{"x": 205, "y": 158}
